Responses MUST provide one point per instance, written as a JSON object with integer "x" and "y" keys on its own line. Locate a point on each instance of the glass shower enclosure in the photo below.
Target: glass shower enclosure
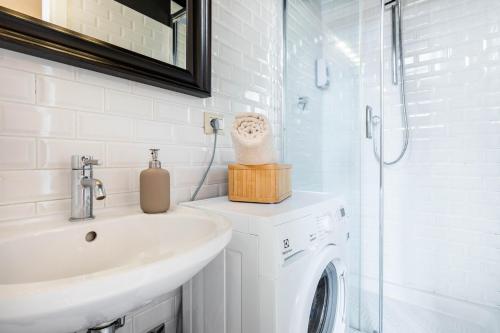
{"x": 395, "y": 106}
{"x": 324, "y": 129}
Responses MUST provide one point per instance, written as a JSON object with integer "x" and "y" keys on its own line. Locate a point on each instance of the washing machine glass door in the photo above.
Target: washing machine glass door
{"x": 328, "y": 305}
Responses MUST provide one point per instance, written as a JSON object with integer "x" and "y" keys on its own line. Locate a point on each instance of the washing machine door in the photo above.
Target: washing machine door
{"x": 324, "y": 296}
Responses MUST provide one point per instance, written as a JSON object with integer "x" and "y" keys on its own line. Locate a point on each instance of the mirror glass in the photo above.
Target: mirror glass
{"x": 154, "y": 28}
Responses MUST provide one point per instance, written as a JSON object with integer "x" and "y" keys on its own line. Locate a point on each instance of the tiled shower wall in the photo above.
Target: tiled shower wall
{"x": 49, "y": 111}
{"x": 442, "y": 201}
{"x": 303, "y": 120}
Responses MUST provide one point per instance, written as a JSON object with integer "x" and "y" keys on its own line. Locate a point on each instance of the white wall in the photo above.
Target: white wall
{"x": 49, "y": 111}
{"x": 442, "y": 244}
{"x": 303, "y": 126}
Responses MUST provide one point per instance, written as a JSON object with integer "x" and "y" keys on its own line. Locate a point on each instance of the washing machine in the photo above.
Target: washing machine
{"x": 284, "y": 270}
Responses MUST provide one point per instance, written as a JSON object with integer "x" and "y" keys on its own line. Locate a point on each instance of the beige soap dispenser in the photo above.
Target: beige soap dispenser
{"x": 155, "y": 187}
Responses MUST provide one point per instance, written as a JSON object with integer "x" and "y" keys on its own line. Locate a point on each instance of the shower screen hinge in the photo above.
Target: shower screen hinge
{"x": 322, "y": 74}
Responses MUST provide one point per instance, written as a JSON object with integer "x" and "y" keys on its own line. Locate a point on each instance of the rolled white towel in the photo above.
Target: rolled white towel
{"x": 253, "y": 139}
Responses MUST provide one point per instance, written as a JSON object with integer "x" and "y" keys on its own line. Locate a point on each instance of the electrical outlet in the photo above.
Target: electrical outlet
{"x": 208, "y": 117}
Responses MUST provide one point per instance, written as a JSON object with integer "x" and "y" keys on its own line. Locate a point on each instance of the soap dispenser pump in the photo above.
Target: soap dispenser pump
{"x": 155, "y": 187}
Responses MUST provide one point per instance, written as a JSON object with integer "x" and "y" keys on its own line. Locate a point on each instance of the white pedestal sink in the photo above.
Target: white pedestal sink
{"x": 55, "y": 278}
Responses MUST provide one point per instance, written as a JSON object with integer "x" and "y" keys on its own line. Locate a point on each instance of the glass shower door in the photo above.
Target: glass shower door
{"x": 371, "y": 169}
{"x": 326, "y": 90}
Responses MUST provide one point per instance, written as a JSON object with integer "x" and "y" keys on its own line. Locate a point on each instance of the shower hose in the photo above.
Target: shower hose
{"x": 402, "y": 94}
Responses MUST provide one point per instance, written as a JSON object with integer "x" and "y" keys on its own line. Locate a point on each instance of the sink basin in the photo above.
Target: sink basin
{"x": 60, "y": 276}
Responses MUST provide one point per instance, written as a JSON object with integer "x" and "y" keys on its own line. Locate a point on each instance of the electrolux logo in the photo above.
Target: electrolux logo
{"x": 286, "y": 243}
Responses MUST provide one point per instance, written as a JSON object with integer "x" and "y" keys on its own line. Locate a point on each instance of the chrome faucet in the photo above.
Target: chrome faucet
{"x": 83, "y": 187}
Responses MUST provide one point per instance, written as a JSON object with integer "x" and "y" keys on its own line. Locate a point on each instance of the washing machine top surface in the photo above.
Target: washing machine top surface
{"x": 298, "y": 201}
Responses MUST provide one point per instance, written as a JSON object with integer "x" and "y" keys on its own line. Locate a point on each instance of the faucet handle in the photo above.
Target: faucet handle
{"x": 80, "y": 161}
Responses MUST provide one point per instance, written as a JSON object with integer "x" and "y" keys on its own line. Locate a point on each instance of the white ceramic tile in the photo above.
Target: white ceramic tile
{"x": 57, "y": 153}
{"x": 187, "y": 176}
{"x": 243, "y": 14}
{"x": 196, "y": 117}
{"x": 107, "y": 81}
{"x": 179, "y": 195}
{"x": 226, "y": 156}
{"x": 116, "y": 180}
{"x": 30, "y": 120}
{"x": 174, "y": 155}
{"x": 202, "y": 155}
{"x": 223, "y": 189}
{"x": 17, "y": 153}
{"x": 129, "y": 105}
{"x": 104, "y": 127}
{"x": 18, "y": 211}
{"x": 53, "y": 207}
{"x": 165, "y": 111}
{"x": 128, "y": 155}
{"x": 189, "y": 135}
{"x": 122, "y": 199}
{"x": 69, "y": 94}
{"x": 217, "y": 175}
{"x": 206, "y": 191}
{"x": 17, "y": 85}
{"x": 231, "y": 55}
{"x": 32, "y": 185}
{"x": 29, "y": 63}
{"x": 152, "y": 131}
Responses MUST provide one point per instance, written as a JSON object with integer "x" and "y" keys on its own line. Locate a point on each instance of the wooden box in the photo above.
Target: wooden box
{"x": 267, "y": 183}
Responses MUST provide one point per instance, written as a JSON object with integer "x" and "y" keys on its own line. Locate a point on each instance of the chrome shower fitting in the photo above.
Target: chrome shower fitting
{"x": 397, "y": 57}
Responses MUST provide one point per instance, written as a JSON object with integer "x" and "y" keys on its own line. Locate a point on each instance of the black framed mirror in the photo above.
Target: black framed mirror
{"x": 165, "y": 43}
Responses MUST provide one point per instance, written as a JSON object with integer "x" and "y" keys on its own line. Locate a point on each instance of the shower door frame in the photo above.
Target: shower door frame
{"x": 381, "y": 177}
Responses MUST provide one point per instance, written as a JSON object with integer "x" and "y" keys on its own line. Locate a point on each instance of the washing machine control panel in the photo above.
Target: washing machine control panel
{"x": 330, "y": 225}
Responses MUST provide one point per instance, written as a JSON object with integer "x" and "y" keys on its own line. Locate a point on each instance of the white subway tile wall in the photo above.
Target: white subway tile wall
{"x": 442, "y": 202}
{"x": 303, "y": 136}
{"x": 49, "y": 111}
